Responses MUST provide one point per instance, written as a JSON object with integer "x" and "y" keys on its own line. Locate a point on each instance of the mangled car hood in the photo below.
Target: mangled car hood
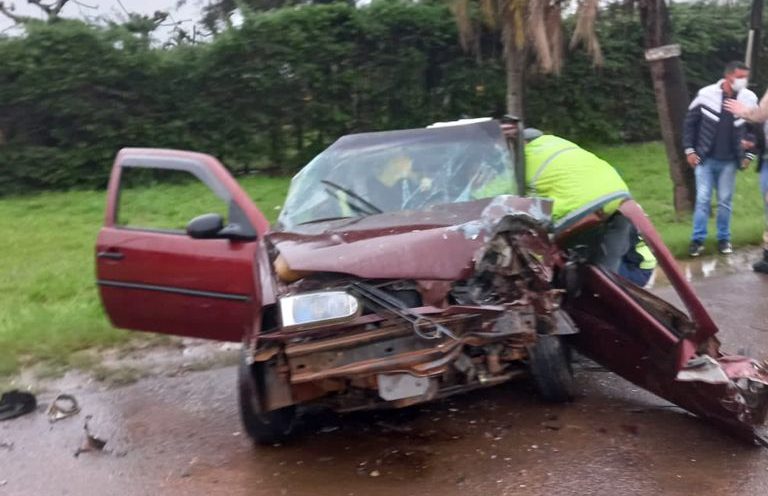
{"x": 436, "y": 244}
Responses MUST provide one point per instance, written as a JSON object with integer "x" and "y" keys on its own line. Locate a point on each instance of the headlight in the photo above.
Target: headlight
{"x": 315, "y": 309}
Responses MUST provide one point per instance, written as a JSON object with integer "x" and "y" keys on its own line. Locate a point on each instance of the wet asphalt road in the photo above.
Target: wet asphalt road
{"x": 182, "y": 436}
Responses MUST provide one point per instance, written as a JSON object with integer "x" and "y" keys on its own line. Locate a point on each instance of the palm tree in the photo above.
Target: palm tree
{"x": 536, "y": 26}
{"x": 527, "y": 26}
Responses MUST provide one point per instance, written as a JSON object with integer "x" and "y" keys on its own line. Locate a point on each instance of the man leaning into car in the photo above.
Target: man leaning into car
{"x": 581, "y": 185}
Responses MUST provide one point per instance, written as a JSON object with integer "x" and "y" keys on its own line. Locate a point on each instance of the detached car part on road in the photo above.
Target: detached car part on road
{"x": 389, "y": 280}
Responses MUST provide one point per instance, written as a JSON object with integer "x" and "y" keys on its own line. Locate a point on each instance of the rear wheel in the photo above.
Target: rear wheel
{"x": 264, "y": 428}
{"x": 550, "y": 367}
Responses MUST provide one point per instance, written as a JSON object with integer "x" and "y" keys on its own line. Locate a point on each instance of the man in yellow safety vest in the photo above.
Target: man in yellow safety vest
{"x": 581, "y": 185}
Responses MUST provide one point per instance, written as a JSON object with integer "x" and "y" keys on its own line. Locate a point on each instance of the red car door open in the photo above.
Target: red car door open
{"x": 156, "y": 270}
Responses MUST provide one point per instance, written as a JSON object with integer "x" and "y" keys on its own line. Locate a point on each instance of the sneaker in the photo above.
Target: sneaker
{"x": 762, "y": 264}
{"x": 724, "y": 247}
{"x": 695, "y": 249}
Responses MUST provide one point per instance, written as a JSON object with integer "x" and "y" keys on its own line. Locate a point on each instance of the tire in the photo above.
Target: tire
{"x": 550, "y": 367}
{"x": 264, "y": 428}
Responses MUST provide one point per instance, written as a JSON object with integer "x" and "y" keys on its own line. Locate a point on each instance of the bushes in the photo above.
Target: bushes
{"x": 268, "y": 95}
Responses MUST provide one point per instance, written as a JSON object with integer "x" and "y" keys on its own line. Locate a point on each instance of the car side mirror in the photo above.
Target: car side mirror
{"x": 211, "y": 226}
{"x": 236, "y": 232}
{"x": 206, "y": 226}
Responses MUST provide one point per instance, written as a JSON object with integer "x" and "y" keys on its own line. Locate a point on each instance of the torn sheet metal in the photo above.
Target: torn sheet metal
{"x": 703, "y": 369}
{"x": 435, "y": 244}
{"x": 664, "y": 351}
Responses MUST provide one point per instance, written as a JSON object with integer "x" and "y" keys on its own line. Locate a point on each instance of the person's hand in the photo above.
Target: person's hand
{"x": 747, "y": 145}
{"x": 735, "y": 107}
{"x": 745, "y": 163}
{"x": 693, "y": 159}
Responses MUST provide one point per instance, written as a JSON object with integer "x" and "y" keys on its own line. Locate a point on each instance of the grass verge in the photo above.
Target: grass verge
{"x": 644, "y": 168}
{"x": 49, "y": 305}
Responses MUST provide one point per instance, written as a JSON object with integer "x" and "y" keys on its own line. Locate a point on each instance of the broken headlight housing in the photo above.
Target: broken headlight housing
{"x": 307, "y": 310}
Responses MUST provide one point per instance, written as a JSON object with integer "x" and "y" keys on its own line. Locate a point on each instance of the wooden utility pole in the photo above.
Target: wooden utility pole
{"x": 515, "y": 65}
{"x": 754, "y": 38}
{"x": 671, "y": 97}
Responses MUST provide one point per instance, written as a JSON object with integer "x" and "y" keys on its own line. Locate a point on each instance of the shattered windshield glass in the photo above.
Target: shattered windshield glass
{"x": 414, "y": 169}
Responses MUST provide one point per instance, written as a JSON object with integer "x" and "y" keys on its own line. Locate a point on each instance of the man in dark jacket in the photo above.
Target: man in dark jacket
{"x": 712, "y": 140}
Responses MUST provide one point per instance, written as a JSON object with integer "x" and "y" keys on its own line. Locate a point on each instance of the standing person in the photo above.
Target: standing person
{"x": 712, "y": 141}
{"x": 758, "y": 115}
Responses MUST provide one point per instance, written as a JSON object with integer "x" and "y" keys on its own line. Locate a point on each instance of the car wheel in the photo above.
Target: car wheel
{"x": 264, "y": 428}
{"x": 550, "y": 367}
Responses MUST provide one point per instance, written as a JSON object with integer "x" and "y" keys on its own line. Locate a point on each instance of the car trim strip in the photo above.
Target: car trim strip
{"x": 171, "y": 289}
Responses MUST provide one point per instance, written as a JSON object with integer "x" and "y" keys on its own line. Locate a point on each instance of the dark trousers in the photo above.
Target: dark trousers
{"x": 606, "y": 244}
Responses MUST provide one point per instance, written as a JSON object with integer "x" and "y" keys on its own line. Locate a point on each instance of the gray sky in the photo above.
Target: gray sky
{"x": 81, "y": 9}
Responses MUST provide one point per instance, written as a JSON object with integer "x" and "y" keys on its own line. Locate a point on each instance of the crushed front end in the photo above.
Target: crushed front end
{"x": 403, "y": 341}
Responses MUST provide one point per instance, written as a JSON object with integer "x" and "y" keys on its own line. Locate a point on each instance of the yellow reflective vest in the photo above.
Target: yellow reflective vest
{"x": 578, "y": 181}
{"x": 649, "y": 261}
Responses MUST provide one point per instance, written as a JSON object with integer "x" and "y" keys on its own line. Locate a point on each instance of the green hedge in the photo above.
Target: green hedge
{"x": 270, "y": 94}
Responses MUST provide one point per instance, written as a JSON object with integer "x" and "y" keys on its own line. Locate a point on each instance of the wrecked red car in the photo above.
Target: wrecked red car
{"x": 389, "y": 280}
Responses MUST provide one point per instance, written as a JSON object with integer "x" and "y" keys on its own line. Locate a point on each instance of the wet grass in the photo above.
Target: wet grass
{"x": 49, "y": 306}
{"x": 644, "y": 168}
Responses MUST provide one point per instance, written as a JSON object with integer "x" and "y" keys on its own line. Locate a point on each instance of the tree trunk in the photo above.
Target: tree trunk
{"x": 671, "y": 101}
{"x": 755, "y": 39}
{"x": 515, "y": 65}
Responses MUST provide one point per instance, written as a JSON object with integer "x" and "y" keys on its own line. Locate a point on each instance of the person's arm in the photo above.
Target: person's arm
{"x": 755, "y": 114}
{"x": 748, "y": 147}
{"x": 690, "y": 132}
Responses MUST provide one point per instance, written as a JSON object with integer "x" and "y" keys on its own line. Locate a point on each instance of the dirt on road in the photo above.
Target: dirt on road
{"x": 182, "y": 435}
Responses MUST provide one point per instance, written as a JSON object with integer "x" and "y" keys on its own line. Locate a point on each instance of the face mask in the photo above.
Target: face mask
{"x": 739, "y": 84}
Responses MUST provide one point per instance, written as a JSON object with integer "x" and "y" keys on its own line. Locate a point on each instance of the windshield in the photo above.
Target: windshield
{"x": 414, "y": 169}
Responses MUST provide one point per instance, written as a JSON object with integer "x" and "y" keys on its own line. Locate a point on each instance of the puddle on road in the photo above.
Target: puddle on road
{"x": 697, "y": 269}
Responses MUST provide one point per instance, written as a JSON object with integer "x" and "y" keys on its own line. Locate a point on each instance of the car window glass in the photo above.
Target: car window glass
{"x": 164, "y": 199}
{"x": 412, "y": 169}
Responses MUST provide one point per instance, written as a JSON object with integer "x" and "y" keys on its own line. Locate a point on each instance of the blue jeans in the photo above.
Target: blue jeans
{"x": 764, "y": 192}
{"x": 720, "y": 175}
{"x": 635, "y": 274}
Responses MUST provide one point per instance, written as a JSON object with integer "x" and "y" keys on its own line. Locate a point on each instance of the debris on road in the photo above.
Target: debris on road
{"x": 64, "y": 406}
{"x": 16, "y": 403}
{"x": 91, "y": 443}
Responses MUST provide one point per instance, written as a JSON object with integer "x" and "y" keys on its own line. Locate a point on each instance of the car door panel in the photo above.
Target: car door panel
{"x": 165, "y": 281}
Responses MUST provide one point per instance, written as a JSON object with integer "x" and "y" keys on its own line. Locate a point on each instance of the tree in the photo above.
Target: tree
{"x": 51, "y": 10}
{"x": 527, "y": 27}
{"x": 671, "y": 97}
{"x": 218, "y": 13}
{"x": 536, "y": 25}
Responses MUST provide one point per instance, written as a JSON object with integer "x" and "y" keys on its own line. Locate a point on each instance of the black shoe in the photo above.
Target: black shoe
{"x": 761, "y": 265}
{"x": 16, "y": 403}
{"x": 724, "y": 247}
{"x": 695, "y": 249}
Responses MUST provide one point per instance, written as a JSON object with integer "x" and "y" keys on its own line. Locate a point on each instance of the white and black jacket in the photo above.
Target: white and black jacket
{"x": 703, "y": 117}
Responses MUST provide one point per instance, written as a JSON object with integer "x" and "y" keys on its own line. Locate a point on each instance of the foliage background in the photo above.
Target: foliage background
{"x": 268, "y": 95}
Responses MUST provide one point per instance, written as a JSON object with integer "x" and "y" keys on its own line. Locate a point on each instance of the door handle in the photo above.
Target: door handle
{"x": 110, "y": 254}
